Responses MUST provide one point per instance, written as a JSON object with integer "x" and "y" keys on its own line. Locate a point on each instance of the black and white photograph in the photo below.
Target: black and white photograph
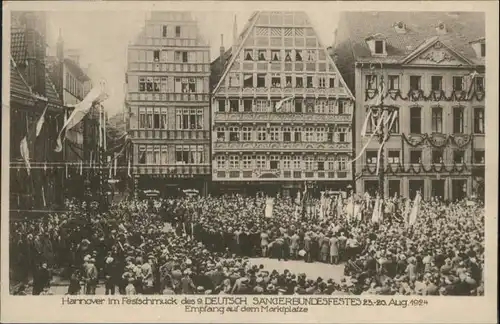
{"x": 257, "y": 152}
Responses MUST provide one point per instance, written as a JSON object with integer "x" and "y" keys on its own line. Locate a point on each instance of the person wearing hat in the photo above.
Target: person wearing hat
{"x": 110, "y": 275}
{"x": 41, "y": 279}
{"x": 91, "y": 277}
{"x": 187, "y": 285}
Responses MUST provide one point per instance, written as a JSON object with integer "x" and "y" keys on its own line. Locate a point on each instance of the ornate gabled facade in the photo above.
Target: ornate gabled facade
{"x": 281, "y": 112}
{"x": 168, "y": 104}
{"x": 432, "y": 65}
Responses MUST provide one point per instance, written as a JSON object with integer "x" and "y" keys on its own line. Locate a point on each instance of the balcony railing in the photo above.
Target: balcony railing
{"x": 281, "y": 146}
{"x": 170, "y": 134}
{"x": 172, "y": 169}
{"x": 285, "y": 91}
{"x": 281, "y": 117}
{"x": 277, "y": 174}
{"x": 196, "y": 98}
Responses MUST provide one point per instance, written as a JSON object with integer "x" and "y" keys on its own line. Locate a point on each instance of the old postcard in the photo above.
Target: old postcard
{"x": 277, "y": 161}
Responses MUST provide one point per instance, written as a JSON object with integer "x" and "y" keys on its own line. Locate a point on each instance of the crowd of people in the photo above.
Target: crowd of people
{"x": 208, "y": 245}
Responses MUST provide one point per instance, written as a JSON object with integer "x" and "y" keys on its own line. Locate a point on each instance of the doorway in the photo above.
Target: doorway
{"x": 459, "y": 189}
{"x": 394, "y": 188}
{"x": 438, "y": 189}
{"x": 414, "y": 186}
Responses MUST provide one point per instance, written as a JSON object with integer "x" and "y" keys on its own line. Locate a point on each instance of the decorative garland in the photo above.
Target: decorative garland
{"x": 417, "y": 168}
{"x": 430, "y": 139}
{"x": 418, "y": 95}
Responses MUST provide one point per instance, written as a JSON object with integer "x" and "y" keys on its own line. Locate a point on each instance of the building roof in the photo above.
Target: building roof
{"x": 18, "y": 84}
{"x": 420, "y": 30}
{"x": 216, "y": 68}
{"x": 76, "y": 70}
{"x": 18, "y": 48}
{"x": 461, "y": 29}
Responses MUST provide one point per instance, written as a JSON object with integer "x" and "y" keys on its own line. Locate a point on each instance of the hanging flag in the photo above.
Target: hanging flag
{"x": 40, "y": 122}
{"x": 104, "y": 129}
{"x": 381, "y": 93}
{"x": 100, "y": 126}
{"x": 268, "y": 212}
{"x": 365, "y": 124}
{"x": 110, "y": 167}
{"x": 376, "y": 211}
{"x": 116, "y": 164}
{"x": 25, "y": 145}
{"x": 81, "y": 167}
{"x": 470, "y": 80}
{"x": 415, "y": 209}
{"x": 394, "y": 115}
{"x": 128, "y": 168}
{"x": 90, "y": 160}
{"x": 96, "y": 95}
{"x": 43, "y": 197}
{"x": 281, "y": 102}
{"x": 66, "y": 167}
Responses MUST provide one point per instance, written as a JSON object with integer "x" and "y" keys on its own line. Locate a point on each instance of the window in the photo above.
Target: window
{"x": 286, "y": 162}
{"x": 234, "y": 134}
{"x": 298, "y": 106}
{"x": 275, "y": 55}
{"x": 371, "y": 157}
{"x": 221, "y": 134}
{"x": 189, "y": 154}
{"x": 332, "y": 82}
{"x": 415, "y": 156}
{"x": 246, "y": 134}
{"x": 342, "y": 163}
{"x": 483, "y": 49}
{"x": 299, "y": 82}
{"x": 458, "y": 156}
{"x": 181, "y": 56}
{"x": 415, "y": 120}
{"x": 310, "y": 83}
{"x": 156, "y": 155}
{"x": 320, "y": 107}
{"x": 479, "y": 120}
{"x": 142, "y": 155}
{"x": 261, "y": 133}
{"x": 156, "y": 55}
{"x": 222, "y": 105}
{"x": 276, "y": 82}
{"x": 149, "y": 119}
{"x": 395, "y": 126}
{"x": 274, "y": 134}
{"x": 309, "y": 134}
{"x": 247, "y": 161}
{"x": 479, "y": 157}
{"x": 261, "y": 80}
{"x": 297, "y": 162}
{"x": 248, "y": 80}
{"x": 221, "y": 161}
{"x": 262, "y": 55}
{"x": 437, "y": 156}
{"x": 164, "y": 85}
{"x": 393, "y": 82}
{"x": 479, "y": 84}
{"x": 184, "y": 57}
{"x": 234, "y": 161}
{"x": 393, "y": 157}
{"x": 260, "y": 162}
{"x": 320, "y": 164}
{"x": 436, "y": 83}
{"x": 163, "y": 121}
{"x": 458, "y": 83}
{"x": 234, "y": 105}
{"x": 371, "y": 82}
{"x": 288, "y": 81}
{"x": 247, "y": 105}
{"x": 322, "y": 82}
{"x": 298, "y": 56}
{"x": 320, "y": 134}
{"x": 164, "y": 31}
{"x": 156, "y": 121}
{"x": 311, "y": 56}
{"x": 437, "y": 119}
{"x": 149, "y": 84}
{"x": 287, "y": 134}
{"x": 330, "y": 164}
{"x": 261, "y": 105}
{"x": 297, "y": 136}
{"x": 458, "y": 120}
{"x": 310, "y": 105}
{"x": 341, "y": 107}
{"x": 274, "y": 162}
{"x": 288, "y": 55}
{"x": 379, "y": 47}
{"x": 309, "y": 162}
{"x": 394, "y": 188}
{"x": 142, "y": 84}
{"x": 415, "y": 82}
{"x": 248, "y": 55}
{"x": 164, "y": 155}
{"x": 142, "y": 118}
{"x": 177, "y": 31}
{"x": 342, "y": 135}
{"x": 189, "y": 118}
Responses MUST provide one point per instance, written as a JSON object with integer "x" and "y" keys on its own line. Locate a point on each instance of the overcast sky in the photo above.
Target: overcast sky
{"x": 102, "y": 38}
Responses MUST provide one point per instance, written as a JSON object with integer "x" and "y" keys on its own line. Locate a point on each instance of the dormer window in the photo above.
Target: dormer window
{"x": 479, "y": 47}
{"x": 377, "y": 44}
{"x": 441, "y": 28}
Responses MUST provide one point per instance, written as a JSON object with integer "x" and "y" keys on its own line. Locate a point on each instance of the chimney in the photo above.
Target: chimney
{"x": 36, "y": 50}
{"x": 222, "y": 50}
